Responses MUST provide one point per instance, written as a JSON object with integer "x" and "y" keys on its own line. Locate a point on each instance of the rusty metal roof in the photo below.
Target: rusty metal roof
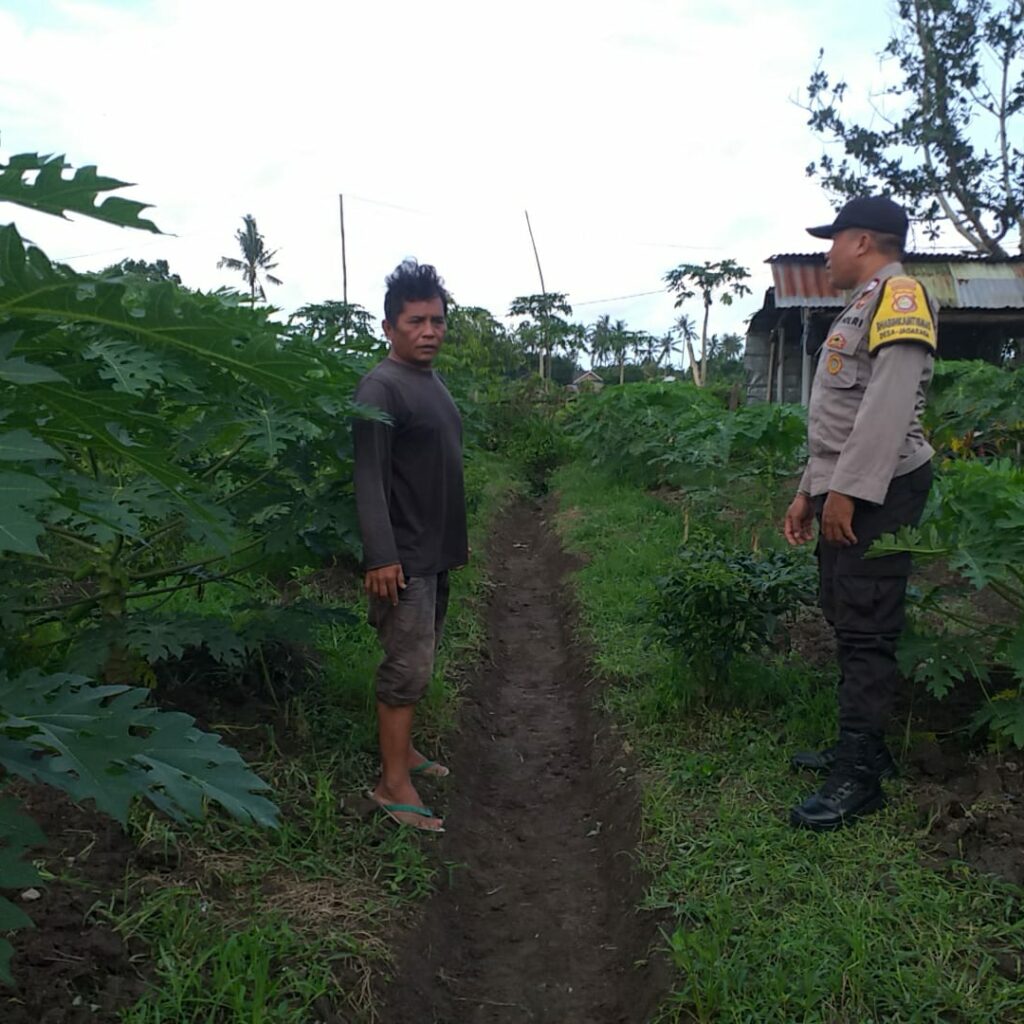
{"x": 957, "y": 282}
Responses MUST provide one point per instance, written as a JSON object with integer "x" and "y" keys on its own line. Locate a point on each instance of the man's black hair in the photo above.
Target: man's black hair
{"x": 889, "y": 245}
{"x": 412, "y": 282}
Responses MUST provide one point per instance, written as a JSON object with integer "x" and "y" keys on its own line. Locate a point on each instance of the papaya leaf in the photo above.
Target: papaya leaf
{"x": 21, "y": 446}
{"x": 22, "y": 489}
{"x": 940, "y": 662}
{"x": 102, "y": 743}
{"x": 118, "y": 508}
{"x": 1013, "y": 654}
{"x": 156, "y": 638}
{"x": 159, "y": 637}
{"x": 1004, "y": 717}
{"x": 273, "y": 429}
{"x": 21, "y": 371}
{"x": 170, "y": 636}
{"x": 129, "y": 369}
{"x": 18, "y": 833}
{"x": 93, "y": 415}
{"x": 19, "y": 531}
{"x": 161, "y": 316}
{"x": 38, "y": 182}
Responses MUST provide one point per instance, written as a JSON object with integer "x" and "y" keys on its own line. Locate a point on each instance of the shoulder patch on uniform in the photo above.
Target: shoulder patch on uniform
{"x": 902, "y": 316}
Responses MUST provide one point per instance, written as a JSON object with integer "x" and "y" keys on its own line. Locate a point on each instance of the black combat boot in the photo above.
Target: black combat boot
{"x": 825, "y": 760}
{"x": 851, "y": 790}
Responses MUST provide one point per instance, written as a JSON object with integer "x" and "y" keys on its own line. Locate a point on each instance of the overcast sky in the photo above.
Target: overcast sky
{"x": 639, "y": 134}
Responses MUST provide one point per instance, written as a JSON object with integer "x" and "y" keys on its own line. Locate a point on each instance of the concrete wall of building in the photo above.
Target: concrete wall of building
{"x": 755, "y": 361}
{"x": 761, "y": 356}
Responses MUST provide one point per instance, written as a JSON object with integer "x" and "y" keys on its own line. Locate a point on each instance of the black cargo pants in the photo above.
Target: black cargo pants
{"x": 863, "y": 600}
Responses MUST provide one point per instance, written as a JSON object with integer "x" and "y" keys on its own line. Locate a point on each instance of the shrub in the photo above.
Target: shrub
{"x": 717, "y": 603}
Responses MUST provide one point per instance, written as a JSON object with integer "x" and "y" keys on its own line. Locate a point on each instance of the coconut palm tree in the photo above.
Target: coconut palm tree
{"x": 597, "y": 338}
{"x": 256, "y": 260}
{"x": 682, "y": 333}
{"x": 611, "y": 341}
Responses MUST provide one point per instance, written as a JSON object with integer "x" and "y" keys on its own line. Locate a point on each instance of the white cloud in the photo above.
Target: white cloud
{"x": 638, "y": 135}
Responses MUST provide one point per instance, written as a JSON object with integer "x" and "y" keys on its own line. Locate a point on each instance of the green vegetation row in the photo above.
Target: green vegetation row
{"x": 290, "y": 925}
{"x": 721, "y": 593}
{"x": 152, "y": 440}
{"x": 762, "y": 922}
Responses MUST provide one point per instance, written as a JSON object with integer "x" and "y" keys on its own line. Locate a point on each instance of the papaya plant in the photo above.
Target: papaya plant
{"x": 152, "y": 440}
{"x": 976, "y": 525}
{"x": 976, "y": 410}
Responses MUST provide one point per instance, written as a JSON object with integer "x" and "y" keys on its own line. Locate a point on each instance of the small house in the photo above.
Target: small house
{"x": 981, "y": 313}
{"x": 587, "y": 381}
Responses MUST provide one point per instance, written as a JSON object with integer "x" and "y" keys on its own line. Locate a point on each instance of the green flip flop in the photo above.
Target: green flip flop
{"x": 431, "y": 769}
{"x": 393, "y": 810}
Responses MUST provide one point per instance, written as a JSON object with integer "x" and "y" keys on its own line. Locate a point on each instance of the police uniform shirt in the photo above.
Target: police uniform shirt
{"x": 863, "y": 423}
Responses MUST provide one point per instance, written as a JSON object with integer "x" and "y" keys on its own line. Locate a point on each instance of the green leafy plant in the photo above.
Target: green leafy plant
{"x": 542, "y": 330}
{"x": 724, "y": 279}
{"x": 976, "y": 410}
{"x": 716, "y": 603}
{"x": 947, "y": 143}
{"x": 976, "y": 526}
{"x": 104, "y": 744}
{"x": 256, "y": 260}
{"x": 678, "y": 435}
{"x": 153, "y": 440}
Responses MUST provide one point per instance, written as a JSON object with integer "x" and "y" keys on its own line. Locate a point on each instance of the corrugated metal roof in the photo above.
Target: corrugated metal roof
{"x": 803, "y": 284}
{"x": 914, "y": 257}
{"x": 967, "y": 282}
{"x": 976, "y": 285}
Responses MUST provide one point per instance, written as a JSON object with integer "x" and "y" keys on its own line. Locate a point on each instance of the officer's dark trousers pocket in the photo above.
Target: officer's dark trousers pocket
{"x": 863, "y": 599}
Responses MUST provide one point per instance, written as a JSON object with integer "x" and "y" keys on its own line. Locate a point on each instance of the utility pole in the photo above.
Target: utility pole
{"x": 543, "y": 290}
{"x": 344, "y": 270}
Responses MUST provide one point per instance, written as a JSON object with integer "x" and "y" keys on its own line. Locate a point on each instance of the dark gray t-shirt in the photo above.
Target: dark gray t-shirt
{"x": 408, "y": 477}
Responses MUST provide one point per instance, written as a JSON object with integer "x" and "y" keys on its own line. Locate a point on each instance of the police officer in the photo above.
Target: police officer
{"x": 868, "y": 473}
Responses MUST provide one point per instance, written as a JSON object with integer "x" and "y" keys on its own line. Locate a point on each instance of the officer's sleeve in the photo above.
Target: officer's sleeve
{"x": 902, "y": 317}
{"x": 371, "y": 442}
{"x": 868, "y": 459}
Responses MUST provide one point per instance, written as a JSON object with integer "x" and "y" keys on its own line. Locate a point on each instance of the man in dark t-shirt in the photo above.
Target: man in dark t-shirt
{"x": 412, "y": 517}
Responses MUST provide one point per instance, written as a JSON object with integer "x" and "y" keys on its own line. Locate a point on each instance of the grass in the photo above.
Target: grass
{"x": 765, "y": 923}
{"x": 249, "y": 926}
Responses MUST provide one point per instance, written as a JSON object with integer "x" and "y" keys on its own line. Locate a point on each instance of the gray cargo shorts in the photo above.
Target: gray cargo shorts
{"x": 410, "y": 633}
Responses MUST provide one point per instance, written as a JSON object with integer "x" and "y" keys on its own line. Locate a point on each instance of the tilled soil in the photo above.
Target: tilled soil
{"x": 71, "y": 967}
{"x": 538, "y": 923}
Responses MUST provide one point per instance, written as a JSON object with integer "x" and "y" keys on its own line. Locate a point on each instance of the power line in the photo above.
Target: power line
{"x": 159, "y": 240}
{"x": 619, "y": 298}
{"x": 674, "y": 245}
{"x": 391, "y": 206}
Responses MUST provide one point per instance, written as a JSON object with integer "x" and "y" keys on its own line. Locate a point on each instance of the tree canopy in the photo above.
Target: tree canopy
{"x": 723, "y": 280}
{"x": 945, "y": 140}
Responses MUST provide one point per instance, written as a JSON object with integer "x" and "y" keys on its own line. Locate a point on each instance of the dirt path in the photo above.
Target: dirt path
{"x": 538, "y": 923}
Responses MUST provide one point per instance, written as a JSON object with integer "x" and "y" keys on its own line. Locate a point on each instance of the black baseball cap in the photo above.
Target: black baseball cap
{"x": 873, "y": 213}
